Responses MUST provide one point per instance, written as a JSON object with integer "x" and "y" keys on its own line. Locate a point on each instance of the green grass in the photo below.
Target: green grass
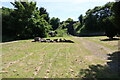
{"x": 111, "y": 44}
{"x": 52, "y": 60}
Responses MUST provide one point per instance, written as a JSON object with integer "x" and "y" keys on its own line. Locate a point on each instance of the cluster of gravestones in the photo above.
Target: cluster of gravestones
{"x": 38, "y": 39}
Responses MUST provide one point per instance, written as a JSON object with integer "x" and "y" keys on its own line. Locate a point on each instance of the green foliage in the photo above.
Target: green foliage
{"x": 70, "y": 28}
{"x": 93, "y": 21}
{"x": 69, "y": 20}
{"x": 77, "y": 26}
{"x": 94, "y": 17}
{"x": 61, "y": 32}
{"x": 29, "y": 23}
{"x": 6, "y": 22}
{"x": 110, "y": 29}
{"x": 81, "y": 19}
{"x": 116, "y": 16}
{"x": 64, "y": 24}
{"x": 44, "y": 14}
{"x": 55, "y": 22}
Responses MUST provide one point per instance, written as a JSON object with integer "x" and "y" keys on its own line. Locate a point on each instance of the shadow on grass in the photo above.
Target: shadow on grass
{"x": 109, "y": 39}
{"x": 108, "y": 71}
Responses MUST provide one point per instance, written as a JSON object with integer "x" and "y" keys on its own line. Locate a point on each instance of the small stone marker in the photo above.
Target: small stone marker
{"x": 37, "y": 39}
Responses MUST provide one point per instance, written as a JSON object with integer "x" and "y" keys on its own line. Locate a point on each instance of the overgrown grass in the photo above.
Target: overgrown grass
{"x": 26, "y": 59}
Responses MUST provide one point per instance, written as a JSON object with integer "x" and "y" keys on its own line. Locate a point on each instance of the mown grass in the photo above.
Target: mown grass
{"x": 111, "y": 44}
{"x": 52, "y": 60}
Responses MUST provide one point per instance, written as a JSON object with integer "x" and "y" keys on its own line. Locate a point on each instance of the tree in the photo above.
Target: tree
{"x": 26, "y": 11}
{"x": 93, "y": 20}
{"x": 81, "y": 19}
{"x": 7, "y": 30}
{"x": 69, "y": 20}
{"x": 77, "y": 26}
{"x": 44, "y": 14}
{"x": 24, "y": 21}
{"x": 116, "y": 17}
{"x": 55, "y": 22}
{"x": 110, "y": 29}
{"x": 70, "y": 28}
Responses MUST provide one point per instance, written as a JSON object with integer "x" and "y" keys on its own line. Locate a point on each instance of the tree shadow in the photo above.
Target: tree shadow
{"x": 109, "y": 39}
{"x": 109, "y": 71}
{"x": 114, "y": 64}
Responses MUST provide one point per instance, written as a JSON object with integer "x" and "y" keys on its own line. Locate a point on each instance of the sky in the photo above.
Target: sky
{"x": 63, "y": 9}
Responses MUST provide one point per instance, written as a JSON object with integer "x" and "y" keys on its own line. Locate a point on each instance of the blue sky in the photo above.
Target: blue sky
{"x": 64, "y": 9}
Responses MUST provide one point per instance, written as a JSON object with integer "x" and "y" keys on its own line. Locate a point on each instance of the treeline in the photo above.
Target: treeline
{"x": 28, "y": 21}
{"x": 24, "y": 21}
{"x": 101, "y": 20}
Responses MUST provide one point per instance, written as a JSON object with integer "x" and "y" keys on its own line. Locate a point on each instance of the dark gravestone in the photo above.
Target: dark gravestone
{"x": 43, "y": 40}
{"x": 55, "y": 40}
{"x": 60, "y": 40}
{"x": 37, "y": 39}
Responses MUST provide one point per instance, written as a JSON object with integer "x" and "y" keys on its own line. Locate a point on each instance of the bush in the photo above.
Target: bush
{"x": 61, "y": 32}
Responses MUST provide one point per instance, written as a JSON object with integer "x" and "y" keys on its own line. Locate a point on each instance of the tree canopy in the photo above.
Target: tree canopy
{"x": 28, "y": 21}
{"x": 54, "y": 22}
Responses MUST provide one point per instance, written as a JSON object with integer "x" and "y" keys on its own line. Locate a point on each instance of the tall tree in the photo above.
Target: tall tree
{"x": 70, "y": 28}
{"x": 7, "y": 30}
{"x": 26, "y": 12}
{"x": 24, "y": 21}
{"x": 93, "y": 20}
{"x": 55, "y": 22}
{"x": 116, "y": 16}
{"x": 81, "y": 19}
{"x": 44, "y": 14}
{"x": 110, "y": 29}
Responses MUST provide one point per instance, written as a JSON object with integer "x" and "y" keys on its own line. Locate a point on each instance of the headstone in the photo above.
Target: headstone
{"x": 37, "y": 39}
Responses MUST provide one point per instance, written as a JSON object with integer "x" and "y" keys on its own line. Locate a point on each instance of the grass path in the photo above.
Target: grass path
{"x": 25, "y": 59}
{"x": 94, "y": 48}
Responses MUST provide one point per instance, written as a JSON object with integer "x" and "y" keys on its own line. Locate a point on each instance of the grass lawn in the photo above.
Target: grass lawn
{"x": 26, "y": 59}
